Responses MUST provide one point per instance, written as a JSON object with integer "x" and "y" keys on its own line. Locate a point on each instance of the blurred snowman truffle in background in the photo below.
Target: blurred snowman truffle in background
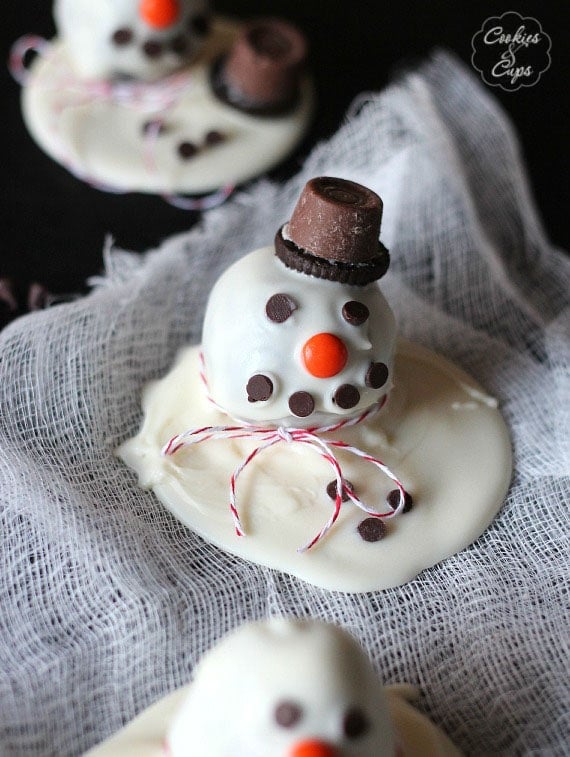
{"x": 284, "y": 688}
{"x": 146, "y": 39}
{"x": 299, "y": 332}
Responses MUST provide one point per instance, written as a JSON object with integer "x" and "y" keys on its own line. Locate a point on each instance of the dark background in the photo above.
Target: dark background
{"x": 54, "y": 225}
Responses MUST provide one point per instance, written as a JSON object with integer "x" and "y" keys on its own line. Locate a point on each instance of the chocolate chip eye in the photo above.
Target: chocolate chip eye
{"x": 287, "y": 714}
{"x": 187, "y": 150}
{"x": 279, "y": 307}
{"x": 376, "y": 375}
{"x": 259, "y": 388}
{"x": 354, "y": 312}
{"x": 355, "y": 723}
{"x": 122, "y": 36}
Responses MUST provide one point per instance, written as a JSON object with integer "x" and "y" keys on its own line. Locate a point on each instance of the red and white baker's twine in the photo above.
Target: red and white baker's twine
{"x": 311, "y": 437}
{"x": 155, "y": 98}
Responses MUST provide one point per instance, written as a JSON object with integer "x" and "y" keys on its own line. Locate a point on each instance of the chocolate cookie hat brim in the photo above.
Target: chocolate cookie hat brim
{"x": 333, "y": 233}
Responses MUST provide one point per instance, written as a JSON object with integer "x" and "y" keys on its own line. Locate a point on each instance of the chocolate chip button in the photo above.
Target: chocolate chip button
{"x": 331, "y": 490}
{"x": 279, "y": 307}
{"x": 214, "y": 137}
{"x": 122, "y": 37}
{"x": 187, "y": 150}
{"x": 259, "y": 388}
{"x": 376, "y": 375}
{"x": 301, "y": 404}
{"x": 355, "y": 723}
{"x": 393, "y": 500}
{"x": 372, "y": 529}
{"x": 152, "y": 48}
{"x": 346, "y": 396}
{"x": 354, "y": 312}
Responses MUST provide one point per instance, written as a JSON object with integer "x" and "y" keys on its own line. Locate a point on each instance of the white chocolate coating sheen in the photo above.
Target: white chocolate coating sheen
{"x": 88, "y": 28}
{"x": 316, "y": 675}
{"x": 439, "y": 432}
{"x": 240, "y": 341}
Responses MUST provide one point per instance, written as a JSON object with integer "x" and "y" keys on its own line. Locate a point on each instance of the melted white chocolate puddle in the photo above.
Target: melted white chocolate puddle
{"x": 440, "y": 434}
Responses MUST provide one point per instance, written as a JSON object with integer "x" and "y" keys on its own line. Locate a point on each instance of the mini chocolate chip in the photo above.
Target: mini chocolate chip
{"x": 199, "y": 25}
{"x": 152, "y": 48}
{"x": 279, "y": 307}
{"x": 393, "y": 500}
{"x": 214, "y": 137}
{"x": 187, "y": 150}
{"x": 122, "y": 36}
{"x": 156, "y": 125}
{"x": 372, "y": 529}
{"x": 259, "y": 388}
{"x": 331, "y": 490}
{"x": 355, "y": 723}
{"x": 376, "y": 375}
{"x": 287, "y": 714}
{"x": 346, "y": 396}
{"x": 179, "y": 44}
{"x": 301, "y": 404}
{"x": 355, "y": 313}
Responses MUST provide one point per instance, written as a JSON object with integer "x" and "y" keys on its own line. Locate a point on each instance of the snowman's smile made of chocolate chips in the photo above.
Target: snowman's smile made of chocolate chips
{"x": 303, "y": 410}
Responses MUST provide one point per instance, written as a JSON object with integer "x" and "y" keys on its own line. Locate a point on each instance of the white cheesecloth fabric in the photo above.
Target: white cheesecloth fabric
{"x": 107, "y": 602}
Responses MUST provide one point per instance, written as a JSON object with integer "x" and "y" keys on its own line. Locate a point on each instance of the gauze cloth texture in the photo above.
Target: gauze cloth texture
{"x": 107, "y": 602}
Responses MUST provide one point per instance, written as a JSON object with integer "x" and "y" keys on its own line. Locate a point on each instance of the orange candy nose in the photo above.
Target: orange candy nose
{"x": 313, "y": 749}
{"x": 159, "y": 13}
{"x": 324, "y": 355}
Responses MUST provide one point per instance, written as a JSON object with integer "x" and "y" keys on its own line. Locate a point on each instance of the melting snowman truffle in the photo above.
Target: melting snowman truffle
{"x": 311, "y": 314}
{"x": 284, "y": 688}
{"x": 145, "y": 40}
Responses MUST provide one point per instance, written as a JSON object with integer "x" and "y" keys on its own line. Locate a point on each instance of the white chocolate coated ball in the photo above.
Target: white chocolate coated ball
{"x": 245, "y": 336}
{"x": 272, "y": 688}
{"x": 110, "y": 38}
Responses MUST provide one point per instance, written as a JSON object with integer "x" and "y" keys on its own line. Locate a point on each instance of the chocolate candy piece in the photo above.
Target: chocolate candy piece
{"x": 261, "y": 73}
{"x": 287, "y": 714}
{"x": 372, "y": 529}
{"x": 331, "y": 490}
{"x": 279, "y": 307}
{"x": 393, "y": 500}
{"x": 214, "y": 137}
{"x": 122, "y": 37}
{"x": 376, "y": 375}
{"x": 187, "y": 150}
{"x": 346, "y": 396}
{"x": 354, "y": 312}
{"x": 152, "y": 48}
{"x": 333, "y": 233}
{"x": 259, "y": 388}
{"x": 301, "y": 404}
{"x": 355, "y": 723}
